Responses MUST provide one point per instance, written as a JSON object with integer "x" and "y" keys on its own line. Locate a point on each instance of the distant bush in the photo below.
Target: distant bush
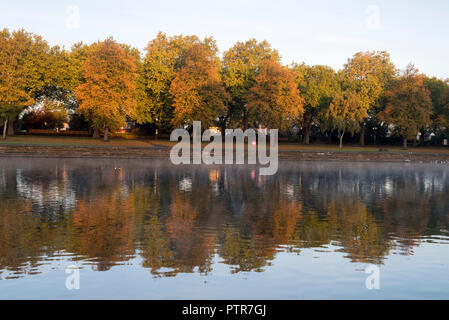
{"x": 49, "y": 115}
{"x": 44, "y": 119}
{"x": 78, "y": 122}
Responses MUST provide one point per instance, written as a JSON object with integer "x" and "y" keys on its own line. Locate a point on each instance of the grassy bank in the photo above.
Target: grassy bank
{"x": 74, "y": 141}
{"x": 283, "y": 146}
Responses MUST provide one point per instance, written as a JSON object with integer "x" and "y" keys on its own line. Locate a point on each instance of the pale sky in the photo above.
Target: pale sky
{"x": 316, "y": 32}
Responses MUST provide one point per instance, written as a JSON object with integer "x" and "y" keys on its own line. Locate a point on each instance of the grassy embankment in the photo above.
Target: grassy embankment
{"x": 283, "y": 146}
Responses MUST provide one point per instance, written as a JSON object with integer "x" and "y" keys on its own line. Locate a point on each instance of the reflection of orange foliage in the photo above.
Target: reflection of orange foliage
{"x": 182, "y": 230}
{"x": 193, "y": 245}
{"x": 284, "y": 221}
{"x": 214, "y": 175}
{"x": 254, "y": 250}
{"x": 18, "y": 241}
{"x": 357, "y": 230}
{"x": 105, "y": 229}
{"x": 182, "y": 217}
{"x": 243, "y": 254}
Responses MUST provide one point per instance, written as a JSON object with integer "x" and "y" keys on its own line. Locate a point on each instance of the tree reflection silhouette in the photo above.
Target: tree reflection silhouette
{"x": 181, "y": 219}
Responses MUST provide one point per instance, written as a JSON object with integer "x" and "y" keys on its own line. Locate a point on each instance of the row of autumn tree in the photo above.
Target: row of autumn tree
{"x": 181, "y": 78}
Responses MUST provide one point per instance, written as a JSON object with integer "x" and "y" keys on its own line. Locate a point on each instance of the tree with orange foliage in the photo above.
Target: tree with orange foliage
{"x": 108, "y": 94}
{"x": 274, "y": 100}
{"x": 409, "y": 105}
{"x": 197, "y": 90}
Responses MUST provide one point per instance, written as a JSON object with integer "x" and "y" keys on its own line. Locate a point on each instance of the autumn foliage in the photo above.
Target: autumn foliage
{"x": 274, "y": 100}
{"x": 108, "y": 94}
{"x": 345, "y": 113}
{"x": 409, "y": 105}
{"x": 197, "y": 91}
{"x": 182, "y": 78}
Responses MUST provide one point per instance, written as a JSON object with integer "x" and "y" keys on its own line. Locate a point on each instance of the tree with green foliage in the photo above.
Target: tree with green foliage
{"x": 367, "y": 74}
{"x": 409, "y": 105}
{"x": 345, "y": 114}
{"x": 163, "y": 59}
{"x": 23, "y": 71}
{"x": 241, "y": 65}
{"x": 439, "y": 90}
{"x": 317, "y": 84}
{"x": 442, "y": 121}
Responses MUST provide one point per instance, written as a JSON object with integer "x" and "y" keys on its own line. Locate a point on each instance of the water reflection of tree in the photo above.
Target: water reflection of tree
{"x": 179, "y": 220}
{"x": 103, "y": 230}
{"x": 25, "y": 238}
{"x": 406, "y": 215}
{"x": 357, "y": 231}
{"x": 371, "y": 211}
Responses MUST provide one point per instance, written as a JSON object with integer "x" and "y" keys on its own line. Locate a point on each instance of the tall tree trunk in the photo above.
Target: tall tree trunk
{"x": 106, "y": 134}
{"x": 5, "y": 126}
{"x": 329, "y": 138}
{"x": 90, "y": 130}
{"x": 405, "y": 143}
{"x": 96, "y": 134}
{"x": 341, "y": 139}
{"x": 11, "y": 122}
{"x": 362, "y": 134}
{"x": 307, "y": 128}
{"x": 415, "y": 143}
{"x": 223, "y": 131}
{"x": 245, "y": 120}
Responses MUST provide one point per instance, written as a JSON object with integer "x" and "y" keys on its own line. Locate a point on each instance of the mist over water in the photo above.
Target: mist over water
{"x": 149, "y": 229}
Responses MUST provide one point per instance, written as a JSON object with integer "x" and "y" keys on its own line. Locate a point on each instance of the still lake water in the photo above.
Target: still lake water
{"x": 141, "y": 229}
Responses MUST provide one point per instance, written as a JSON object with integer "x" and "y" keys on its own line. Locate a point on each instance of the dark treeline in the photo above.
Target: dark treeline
{"x": 179, "y": 79}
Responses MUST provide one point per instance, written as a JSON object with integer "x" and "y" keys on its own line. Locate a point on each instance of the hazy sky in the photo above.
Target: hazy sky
{"x": 316, "y": 32}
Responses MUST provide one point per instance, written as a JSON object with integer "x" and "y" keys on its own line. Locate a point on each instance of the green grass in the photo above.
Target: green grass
{"x": 73, "y": 141}
{"x": 288, "y": 146}
{"x": 292, "y": 146}
{"x": 283, "y": 146}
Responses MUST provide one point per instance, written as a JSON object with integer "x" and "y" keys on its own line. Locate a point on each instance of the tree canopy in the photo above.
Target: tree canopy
{"x": 163, "y": 59}
{"x": 345, "y": 113}
{"x": 241, "y": 64}
{"x": 108, "y": 94}
{"x": 317, "y": 84}
{"x": 182, "y": 78}
{"x": 274, "y": 100}
{"x": 409, "y": 105}
{"x": 196, "y": 90}
{"x": 23, "y": 70}
{"x": 367, "y": 74}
